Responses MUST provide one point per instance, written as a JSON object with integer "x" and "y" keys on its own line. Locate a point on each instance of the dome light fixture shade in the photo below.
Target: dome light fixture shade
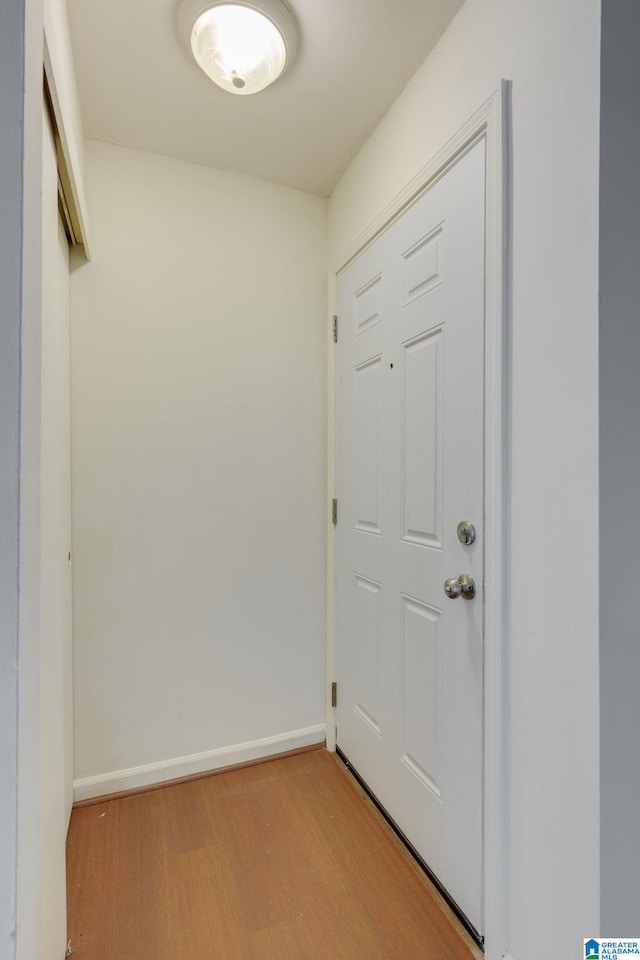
{"x": 242, "y": 45}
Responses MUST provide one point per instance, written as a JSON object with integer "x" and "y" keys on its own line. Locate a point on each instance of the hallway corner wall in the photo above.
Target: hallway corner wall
{"x": 198, "y": 366}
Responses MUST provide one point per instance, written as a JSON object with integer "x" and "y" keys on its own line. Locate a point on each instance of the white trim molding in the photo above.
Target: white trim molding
{"x": 491, "y": 124}
{"x": 149, "y": 774}
{"x": 60, "y": 84}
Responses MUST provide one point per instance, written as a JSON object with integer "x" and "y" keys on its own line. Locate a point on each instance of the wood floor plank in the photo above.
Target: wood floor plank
{"x": 338, "y": 922}
{"x": 335, "y": 917}
{"x": 149, "y": 920}
{"x": 284, "y": 872}
{"x": 92, "y": 880}
{"x": 291, "y": 940}
{"x": 190, "y": 824}
{"x": 243, "y": 806}
{"x": 283, "y": 860}
{"x": 212, "y": 918}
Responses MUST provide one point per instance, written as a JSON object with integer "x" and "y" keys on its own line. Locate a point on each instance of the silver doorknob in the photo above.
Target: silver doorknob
{"x": 463, "y": 586}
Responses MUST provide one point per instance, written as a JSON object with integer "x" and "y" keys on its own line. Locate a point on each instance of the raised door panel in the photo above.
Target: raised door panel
{"x": 422, "y": 433}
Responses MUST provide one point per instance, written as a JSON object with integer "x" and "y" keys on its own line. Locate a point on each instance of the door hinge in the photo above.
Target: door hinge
{"x": 334, "y": 694}
{"x": 334, "y": 512}
{"x": 335, "y": 329}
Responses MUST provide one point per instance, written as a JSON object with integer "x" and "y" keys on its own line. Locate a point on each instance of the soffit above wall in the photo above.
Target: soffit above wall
{"x": 138, "y": 87}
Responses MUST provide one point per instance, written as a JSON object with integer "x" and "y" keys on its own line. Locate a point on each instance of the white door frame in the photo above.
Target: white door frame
{"x": 490, "y": 123}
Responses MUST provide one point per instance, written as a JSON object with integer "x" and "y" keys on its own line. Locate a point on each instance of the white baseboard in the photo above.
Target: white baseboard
{"x": 152, "y": 773}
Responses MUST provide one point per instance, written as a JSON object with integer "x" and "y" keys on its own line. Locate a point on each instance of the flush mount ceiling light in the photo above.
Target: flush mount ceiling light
{"x": 242, "y": 45}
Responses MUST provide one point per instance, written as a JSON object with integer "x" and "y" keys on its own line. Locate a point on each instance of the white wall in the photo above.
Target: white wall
{"x": 56, "y": 662}
{"x": 550, "y": 50}
{"x": 24, "y": 871}
{"x": 20, "y": 267}
{"x": 14, "y": 49}
{"x": 198, "y": 366}
{"x": 56, "y": 771}
{"x": 620, "y": 465}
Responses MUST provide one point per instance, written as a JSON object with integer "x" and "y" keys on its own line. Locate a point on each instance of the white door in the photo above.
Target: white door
{"x": 410, "y": 363}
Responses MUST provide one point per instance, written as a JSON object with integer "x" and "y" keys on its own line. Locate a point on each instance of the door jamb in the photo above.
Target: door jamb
{"x": 491, "y": 123}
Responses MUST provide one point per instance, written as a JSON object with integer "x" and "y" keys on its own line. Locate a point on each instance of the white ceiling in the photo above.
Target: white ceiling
{"x": 139, "y": 88}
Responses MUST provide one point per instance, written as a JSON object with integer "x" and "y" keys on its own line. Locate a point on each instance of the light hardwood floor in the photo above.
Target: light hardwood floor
{"x": 286, "y": 860}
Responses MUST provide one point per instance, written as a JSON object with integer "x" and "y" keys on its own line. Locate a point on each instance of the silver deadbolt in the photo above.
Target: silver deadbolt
{"x": 466, "y": 532}
{"x": 463, "y": 586}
